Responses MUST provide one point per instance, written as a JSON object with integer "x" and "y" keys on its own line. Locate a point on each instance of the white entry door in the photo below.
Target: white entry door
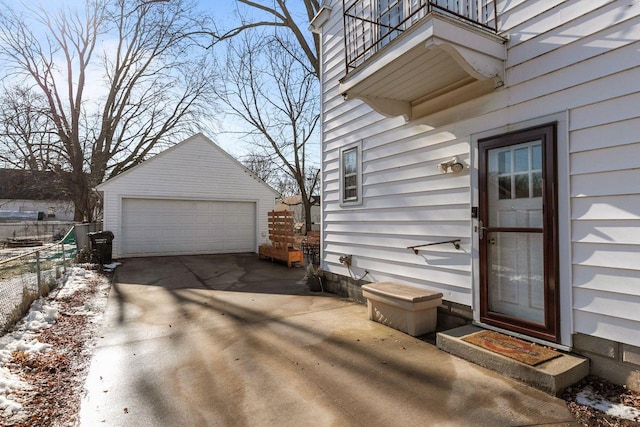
{"x": 517, "y": 229}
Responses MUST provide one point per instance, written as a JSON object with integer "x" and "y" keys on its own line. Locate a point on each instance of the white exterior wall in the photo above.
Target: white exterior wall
{"x": 195, "y": 169}
{"x": 574, "y": 62}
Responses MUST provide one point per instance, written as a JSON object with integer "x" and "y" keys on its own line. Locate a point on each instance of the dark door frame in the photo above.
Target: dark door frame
{"x": 550, "y": 330}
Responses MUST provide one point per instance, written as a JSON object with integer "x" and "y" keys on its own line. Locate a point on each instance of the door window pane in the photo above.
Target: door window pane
{"x": 516, "y": 274}
{"x": 521, "y": 159}
{"x": 517, "y": 170}
{"x": 515, "y": 198}
{"x": 505, "y": 187}
{"x": 536, "y": 184}
{"x": 536, "y": 157}
{"x": 522, "y": 186}
{"x": 504, "y": 162}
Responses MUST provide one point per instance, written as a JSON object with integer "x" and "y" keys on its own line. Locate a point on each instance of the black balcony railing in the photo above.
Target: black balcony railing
{"x": 369, "y": 25}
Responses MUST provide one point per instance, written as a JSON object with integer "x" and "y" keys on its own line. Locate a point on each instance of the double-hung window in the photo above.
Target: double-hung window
{"x": 350, "y": 179}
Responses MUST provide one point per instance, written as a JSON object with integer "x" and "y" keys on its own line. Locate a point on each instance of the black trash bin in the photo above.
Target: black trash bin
{"x": 101, "y": 246}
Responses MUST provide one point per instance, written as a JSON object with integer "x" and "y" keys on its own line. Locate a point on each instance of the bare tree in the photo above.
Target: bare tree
{"x": 279, "y": 14}
{"x": 272, "y": 173}
{"x": 289, "y": 45}
{"x": 119, "y": 78}
{"x": 271, "y": 91}
{"x": 25, "y": 129}
{"x": 262, "y": 167}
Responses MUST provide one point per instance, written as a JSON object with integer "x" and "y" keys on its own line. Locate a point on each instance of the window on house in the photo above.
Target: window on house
{"x": 390, "y": 15}
{"x": 350, "y": 175}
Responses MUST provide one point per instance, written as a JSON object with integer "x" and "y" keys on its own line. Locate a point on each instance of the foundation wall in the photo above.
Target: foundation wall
{"x": 614, "y": 361}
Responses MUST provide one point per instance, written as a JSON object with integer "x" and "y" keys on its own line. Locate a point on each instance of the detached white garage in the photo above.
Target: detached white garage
{"x": 191, "y": 199}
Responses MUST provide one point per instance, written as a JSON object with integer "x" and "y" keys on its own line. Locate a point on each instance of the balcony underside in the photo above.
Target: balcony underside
{"x": 436, "y": 64}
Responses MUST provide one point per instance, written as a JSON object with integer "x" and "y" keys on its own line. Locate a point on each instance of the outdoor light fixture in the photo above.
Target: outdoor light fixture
{"x": 453, "y": 166}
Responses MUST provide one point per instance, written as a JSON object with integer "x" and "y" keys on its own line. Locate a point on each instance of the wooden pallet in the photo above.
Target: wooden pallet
{"x": 282, "y": 236}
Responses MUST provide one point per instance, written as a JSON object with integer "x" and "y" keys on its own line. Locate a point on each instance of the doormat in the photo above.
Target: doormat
{"x": 522, "y": 351}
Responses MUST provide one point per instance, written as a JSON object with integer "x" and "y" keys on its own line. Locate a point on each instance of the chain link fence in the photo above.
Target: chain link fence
{"x": 30, "y": 275}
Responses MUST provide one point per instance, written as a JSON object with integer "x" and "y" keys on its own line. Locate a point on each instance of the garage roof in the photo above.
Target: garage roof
{"x": 199, "y": 137}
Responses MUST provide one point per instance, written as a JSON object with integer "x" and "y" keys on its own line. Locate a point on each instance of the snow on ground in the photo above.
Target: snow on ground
{"x": 110, "y": 267}
{"x": 23, "y": 337}
{"x": 41, "y": 316}
{"x": 590, "y": 398}
{"x": 9, "y": 385}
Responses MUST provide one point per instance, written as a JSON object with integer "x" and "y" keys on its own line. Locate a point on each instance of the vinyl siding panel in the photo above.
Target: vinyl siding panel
{"x": 598, "y": 302}
{"x": 606, "y": 183}
{"x": 606, "y": 279}
{"x": 614, "y": 255}
{"x": 607, "y": 136}
{"x": 613, "y": 328}
{"x": 624, "y": 207}
{"x": 607, "y": 231}
{"x": 569, "y": 24}
{"x": 563, "y": 56}
{"x": 620, "y": 157}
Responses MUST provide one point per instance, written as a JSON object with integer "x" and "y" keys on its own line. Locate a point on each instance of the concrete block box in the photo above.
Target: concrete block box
{"x": 405, "y": 308}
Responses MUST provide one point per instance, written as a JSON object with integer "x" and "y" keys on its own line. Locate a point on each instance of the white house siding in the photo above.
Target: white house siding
{"x": 196, "y": 169}
{"x": 589, "y": 53}
{"x": 406, "y": 200}
{"x": 572, "y": 59}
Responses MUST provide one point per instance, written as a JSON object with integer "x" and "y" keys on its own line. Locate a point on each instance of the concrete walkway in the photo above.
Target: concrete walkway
{"x": 230, "y": 340}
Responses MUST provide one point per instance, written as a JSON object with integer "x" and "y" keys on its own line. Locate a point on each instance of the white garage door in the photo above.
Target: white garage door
{"x": 186, "y": 227}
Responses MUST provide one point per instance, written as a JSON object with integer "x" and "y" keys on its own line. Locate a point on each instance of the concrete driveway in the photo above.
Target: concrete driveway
{"x": 230, "y": 340}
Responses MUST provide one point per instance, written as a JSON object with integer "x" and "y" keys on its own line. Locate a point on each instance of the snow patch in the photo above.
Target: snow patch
{"x": 75, "y": 280}
{"x": 111, "y": 267}
{"x": 9, "y": 383}
{"x": 8, "y": 407}
{"x": 42, "y": 315}
{"x": 590, "y": 398}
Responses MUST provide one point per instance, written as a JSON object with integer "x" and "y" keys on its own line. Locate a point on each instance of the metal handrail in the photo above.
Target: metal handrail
{"x": 455, "y": 242}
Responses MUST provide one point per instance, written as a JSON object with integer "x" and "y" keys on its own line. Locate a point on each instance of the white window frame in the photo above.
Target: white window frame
{"x": 353, "y": 201}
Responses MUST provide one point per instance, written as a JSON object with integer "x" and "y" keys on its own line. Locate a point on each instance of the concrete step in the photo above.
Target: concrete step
{"x": 552, "y": 377}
